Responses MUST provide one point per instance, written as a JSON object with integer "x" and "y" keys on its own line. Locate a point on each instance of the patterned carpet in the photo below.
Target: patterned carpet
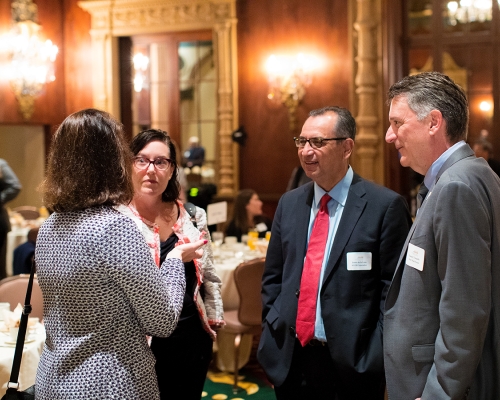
{"x": 252, "y": 382}
{"x": 219, "y": 386}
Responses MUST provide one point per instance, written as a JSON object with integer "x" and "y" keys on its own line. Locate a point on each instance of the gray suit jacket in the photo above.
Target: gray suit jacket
{"x": 442, "y": 324}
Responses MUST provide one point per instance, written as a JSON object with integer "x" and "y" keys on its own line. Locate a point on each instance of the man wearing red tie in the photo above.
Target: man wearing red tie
{"x": 334, "y": 247}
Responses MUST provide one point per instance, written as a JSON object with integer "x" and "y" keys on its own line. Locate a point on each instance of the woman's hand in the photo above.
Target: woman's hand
{"x": 188, "y": 251}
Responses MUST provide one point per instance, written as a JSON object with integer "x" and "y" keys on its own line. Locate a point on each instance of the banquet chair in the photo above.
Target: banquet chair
{"x": 248, "y": 318}
{"x": 27, "y": 212}
{"x": 13, "y": 291}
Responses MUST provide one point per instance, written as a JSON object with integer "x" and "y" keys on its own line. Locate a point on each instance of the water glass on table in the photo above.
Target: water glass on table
{"x": 217, "y": 238}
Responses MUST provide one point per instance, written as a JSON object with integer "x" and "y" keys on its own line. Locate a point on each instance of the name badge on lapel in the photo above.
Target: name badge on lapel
{"x": 415, "y": 257}
{"x": 359, "y": 261}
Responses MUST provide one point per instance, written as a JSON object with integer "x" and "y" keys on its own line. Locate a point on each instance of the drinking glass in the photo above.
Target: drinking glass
{"x": 217, "y": 238}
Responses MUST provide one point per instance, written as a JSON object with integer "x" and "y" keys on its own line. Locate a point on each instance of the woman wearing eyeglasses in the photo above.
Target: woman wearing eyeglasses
{"x": 182, "y": 359}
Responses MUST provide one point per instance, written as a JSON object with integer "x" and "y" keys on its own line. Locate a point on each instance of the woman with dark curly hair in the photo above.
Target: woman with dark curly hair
{"x": 102, "y": 292}
{"x": 182, "y": 359}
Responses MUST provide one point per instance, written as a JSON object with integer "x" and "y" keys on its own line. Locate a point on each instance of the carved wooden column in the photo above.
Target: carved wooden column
{"x": 227, "y": 185}
{"x": 369, "y": 96}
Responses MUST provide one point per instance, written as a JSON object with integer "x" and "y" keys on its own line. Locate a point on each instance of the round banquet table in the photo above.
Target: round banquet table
{"x": 33, "y": 347}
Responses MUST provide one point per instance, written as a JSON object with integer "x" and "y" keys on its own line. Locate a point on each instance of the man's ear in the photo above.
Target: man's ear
{"x": 436, "y": 122}
{"x": 348, "y": 147}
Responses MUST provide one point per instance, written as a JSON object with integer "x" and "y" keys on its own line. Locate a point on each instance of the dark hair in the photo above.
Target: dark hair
{"x": 345, "y": 126}
{"x": 171, "y": 192}
{"x": 89, "y": 163}
{"x": 435, "y": 91}
{"x": 240, "y": 216}
{"x": 484, "y": 144}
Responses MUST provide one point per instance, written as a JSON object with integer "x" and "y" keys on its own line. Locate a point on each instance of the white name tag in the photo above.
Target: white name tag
{"x": 415, "y": 257}
{"x": 261, "y": 227}
{"x": 359, "y": 261}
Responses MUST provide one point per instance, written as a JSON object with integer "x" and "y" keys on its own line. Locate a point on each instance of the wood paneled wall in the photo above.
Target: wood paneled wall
{"x": 264, "y": 27}
{"x": 50, "y": 105}
{"x": 274, "y": 26}
{"x": 78, "y": 58}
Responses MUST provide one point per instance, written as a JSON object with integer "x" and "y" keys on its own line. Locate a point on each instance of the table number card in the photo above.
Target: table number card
{"x": 217, "y": 213}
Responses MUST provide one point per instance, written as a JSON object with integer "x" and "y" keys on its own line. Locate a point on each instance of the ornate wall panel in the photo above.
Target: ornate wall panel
{"x": 114, "y": 18}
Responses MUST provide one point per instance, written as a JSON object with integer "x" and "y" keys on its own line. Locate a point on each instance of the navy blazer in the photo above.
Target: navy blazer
{"x": 376, "y": 220}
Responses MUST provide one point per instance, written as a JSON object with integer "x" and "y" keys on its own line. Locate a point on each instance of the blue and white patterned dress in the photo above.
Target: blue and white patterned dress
{"x": 102, "y": 295}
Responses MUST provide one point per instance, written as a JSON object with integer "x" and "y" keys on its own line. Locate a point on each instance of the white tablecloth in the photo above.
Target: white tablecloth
{"x": 31, "y": 356}
{"x": 15, "y": 237}
{"x": 227, "y": 258}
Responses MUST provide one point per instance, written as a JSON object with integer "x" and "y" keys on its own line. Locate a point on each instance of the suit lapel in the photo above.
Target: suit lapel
{"x": 459, "y": 154}
{"x": 354, "y": 207}
{"x": 302, "y": 215}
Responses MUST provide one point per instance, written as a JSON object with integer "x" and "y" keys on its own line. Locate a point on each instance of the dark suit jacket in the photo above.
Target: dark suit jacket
{"x": 375, "y": 220}
{"x": 442, "y": 324}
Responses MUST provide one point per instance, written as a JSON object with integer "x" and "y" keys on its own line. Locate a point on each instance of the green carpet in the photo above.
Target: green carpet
{"x": 219, "y": 386}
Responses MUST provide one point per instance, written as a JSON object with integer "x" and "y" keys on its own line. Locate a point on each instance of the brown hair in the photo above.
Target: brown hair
{"x": 240, "y": 215}
{"x": 172, "y": 191}
{"x": 89, "y": 163}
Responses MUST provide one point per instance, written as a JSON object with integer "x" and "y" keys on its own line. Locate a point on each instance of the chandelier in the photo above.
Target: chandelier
{"x": 465, "y": 11}
{"x": 31, "y": 58}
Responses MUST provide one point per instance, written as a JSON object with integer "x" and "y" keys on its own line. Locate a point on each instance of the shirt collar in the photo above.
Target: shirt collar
{"x": 430, "y": 176}
{"x": 339, "y": 192}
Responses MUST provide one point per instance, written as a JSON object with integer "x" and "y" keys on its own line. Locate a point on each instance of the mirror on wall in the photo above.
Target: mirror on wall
{"x": 201, "y": 33}
{"x": 175, "y": 89}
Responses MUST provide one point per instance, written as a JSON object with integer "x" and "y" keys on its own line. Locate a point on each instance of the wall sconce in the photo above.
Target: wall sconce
{"x": 31, "y": 58}
{"x": 141, "y": 63}
{"x": 486, "y": 108}
{"x": 288, "y": 78}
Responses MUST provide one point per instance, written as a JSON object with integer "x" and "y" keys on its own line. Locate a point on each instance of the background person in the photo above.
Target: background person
{"x": 323, "y": 289}
{"x": 9, "y": 189}
{"x": 298, "y": 178}
{"x": 194, "y": 156}
{"x": 182, "y": 359}
{"x": 442, "y": 320}
{"x": 102, "y": 291}
{"x": 483, "y": 148}
{"x": 247, "y": 215}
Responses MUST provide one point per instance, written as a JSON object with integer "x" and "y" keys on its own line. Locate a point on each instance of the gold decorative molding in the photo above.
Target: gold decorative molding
{"x": 368, "y": 156}
{"x": 114, "y": 18}
{"x": 450, "y": 68}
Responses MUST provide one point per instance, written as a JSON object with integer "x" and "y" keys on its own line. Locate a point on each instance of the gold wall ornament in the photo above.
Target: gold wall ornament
{"x": 32, "y": 59}
{"x": 288, "y": 77}
{"x": 114, "y": 18}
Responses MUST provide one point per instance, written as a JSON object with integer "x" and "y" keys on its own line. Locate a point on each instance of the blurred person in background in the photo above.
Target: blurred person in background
{"x": 247, "y": 215}
{"x": 182, "y": 359}
{"x": 102, "y": 291}
{"x": 483, "y": 148}
{"x": 195, "y": 155}
{"x": 9, "y": 189}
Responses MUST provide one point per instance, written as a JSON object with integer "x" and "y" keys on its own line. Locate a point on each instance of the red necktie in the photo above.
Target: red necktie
{"x": 306, "y": 311}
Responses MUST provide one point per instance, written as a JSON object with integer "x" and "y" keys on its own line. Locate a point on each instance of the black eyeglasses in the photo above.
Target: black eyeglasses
{"x": 315, "y": 142}
{"x": 160, "y": 163}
